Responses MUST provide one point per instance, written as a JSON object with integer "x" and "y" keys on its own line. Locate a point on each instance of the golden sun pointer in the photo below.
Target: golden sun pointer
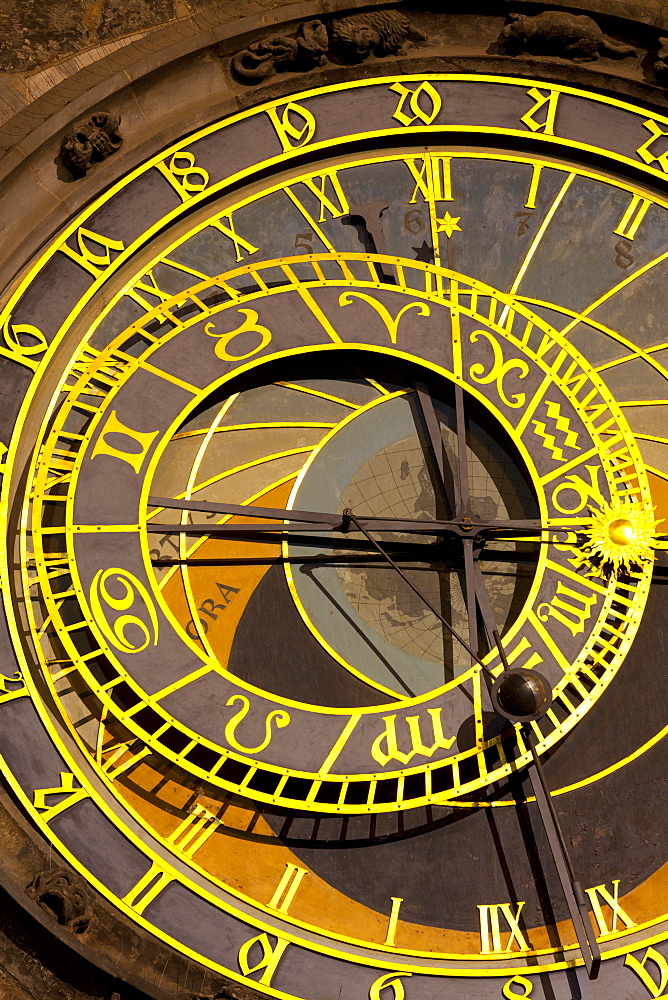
{"x": 620, "y": 538}
{"x": 448, "y": 225}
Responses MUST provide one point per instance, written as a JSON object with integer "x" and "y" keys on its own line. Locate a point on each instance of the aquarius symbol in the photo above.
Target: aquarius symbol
{"x": 561, "y": 424}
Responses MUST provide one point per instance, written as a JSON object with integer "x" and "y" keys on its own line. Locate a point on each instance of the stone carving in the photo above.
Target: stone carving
{"x": 555, "y": 33}
{"x": 90, "y": 141}
{"x": 282, "y": 54}
{"x": 344, "y": 39}
{"x": 64, "y": 896}
{"x": 377, "y": 33}
{"x": 661, "y": 64}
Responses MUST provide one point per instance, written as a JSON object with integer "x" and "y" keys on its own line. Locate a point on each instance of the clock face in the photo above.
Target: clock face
{"x": 295, "y": 458}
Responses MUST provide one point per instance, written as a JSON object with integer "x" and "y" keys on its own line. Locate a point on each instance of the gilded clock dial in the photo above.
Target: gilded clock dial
{"x": 299, "y": 448}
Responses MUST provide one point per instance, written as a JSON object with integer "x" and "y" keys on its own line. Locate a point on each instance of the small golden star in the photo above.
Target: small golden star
{"x": 448, "y": 225}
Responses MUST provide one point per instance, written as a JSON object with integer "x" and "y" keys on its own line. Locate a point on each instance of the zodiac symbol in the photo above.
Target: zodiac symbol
{"x": 282, "y": 720}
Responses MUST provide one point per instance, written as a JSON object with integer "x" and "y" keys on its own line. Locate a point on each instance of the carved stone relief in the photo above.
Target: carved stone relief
{"x": 64, "y": 896}
{"x": 344, "y": 39}
{"x": 661, "y": 64}
{"x": 555, "y": 33}
{"x": 90, "y": 141}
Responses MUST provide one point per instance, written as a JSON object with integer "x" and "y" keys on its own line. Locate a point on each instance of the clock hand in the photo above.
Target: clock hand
{"x": 207, "y": 507}
{"x": 575, "y": 897}
{"x": 336, "y": 522}
{"x": 521, "y": 695}
{"x": 349, "y": 514}
{"x": 445, "y": 483}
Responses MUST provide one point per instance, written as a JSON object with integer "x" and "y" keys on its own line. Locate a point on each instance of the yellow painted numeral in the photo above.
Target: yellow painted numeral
{"x": 390, "y": 981}
{"x": 286, "y": 888}
{"x": 601, "y": 896}
{"x": 524, "y": 984}
{"x": 271, "y": 956}
{"x": 632, "y": 217}
{"x": 66, "y": 788}
{"x": 388, "y": 739}
{"x": 655, "y": 987}
{"x": 425, "y": 102}
{"x": 134, "y": 458}
{"x": 147, "y": 285}
{"x": 295, "y": 126}
{"x": 22, "y": 354}
{"x": 95, "y": 251}
{"x": 547, "y": 100}
{"x": 490, "y": 929}
{"x": 644, "y": 151}
{"x": 12, "y": 687}
{"x": 184, "y": 175}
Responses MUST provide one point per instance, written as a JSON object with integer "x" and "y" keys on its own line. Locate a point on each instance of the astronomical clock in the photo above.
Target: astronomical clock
{"x": 335, "y": 631}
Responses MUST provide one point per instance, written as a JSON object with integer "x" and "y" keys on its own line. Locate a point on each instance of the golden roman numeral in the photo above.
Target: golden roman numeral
{"x": 194, "y": 831}
{"x": 148, "y": 294}
{"x": 95, "y": 250}
{"x": 601, "y": 895}
{"x": 227, "y": 229}
{"x": 318, "y": 187}
{"x": 66, "y": 787}
{"x": 432, "y": 178}
{"x": 394, "y": 917}
{"x": 490, "y": 929}
{"x": 101, "y": 375}
{"x": 147, "y": 888}
{"x": 57, "y": 472}
{"x": 134, "y": 459}
{"x": 117, "y": 751}
{"x": 633, "y": 216}
{"x": 533, "y": 186}
{"x": 286, "y": 888}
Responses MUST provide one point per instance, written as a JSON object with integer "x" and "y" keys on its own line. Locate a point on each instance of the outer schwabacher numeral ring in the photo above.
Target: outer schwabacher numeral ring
{"x": 366, "y": 793}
